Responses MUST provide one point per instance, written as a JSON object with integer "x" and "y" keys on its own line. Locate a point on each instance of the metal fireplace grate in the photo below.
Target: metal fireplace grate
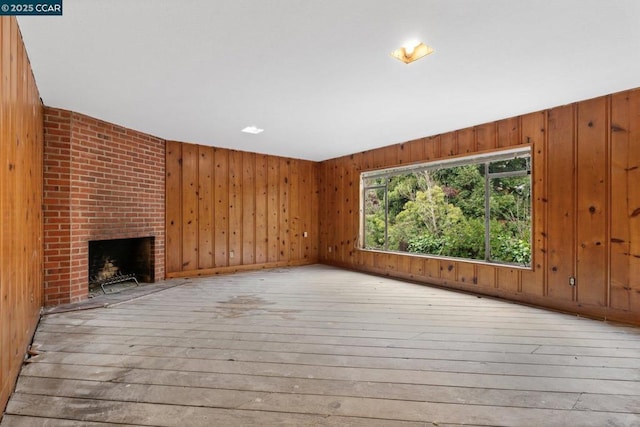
{"x": 117, "y": 278}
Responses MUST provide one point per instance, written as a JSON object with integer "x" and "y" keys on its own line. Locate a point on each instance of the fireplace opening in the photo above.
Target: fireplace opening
{"x": 120, "y": 258}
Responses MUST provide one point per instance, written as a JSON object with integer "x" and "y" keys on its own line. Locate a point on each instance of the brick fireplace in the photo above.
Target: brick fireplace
{"x": 101, "y": 182}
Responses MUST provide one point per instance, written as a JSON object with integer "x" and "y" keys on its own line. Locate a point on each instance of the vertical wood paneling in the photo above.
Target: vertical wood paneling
{"x": 249, "y": 190}
{"x": 404, "y": 265}
{"x": 466, "y": 141}
{"x": 283, "y": 218}
{"x": 533, "y": 132}
{"x": 448, "y": 271}
{"x": 378, "y": 157}
{"x": 561, "y": 206}
{"x": 343, "y": 206}
{"x": 632, "y": 287}
{"x": 592, "y": 182}
{"x": 189, "y": 205}
{"x": 585, "y": 200}
{"x": 295, "y": 233}
{"x": 404, "y": 153}
{"x": 235, "y": 207}
{"x": 314, "y": 189}
{"x": 231, "y": 210}
{"x": 205, "y": 207}
{"x": 273, "y": 206}
{"x": 625, "y": 201}
{"x": 449, "y": 144}
{"x": 356, "y": 161}
{"x": 432, "y": 269}
{"x": 21, "y": 190}
{"x": 332, "y": 216}
{"x": 353, "y": 207}
{"x": 486, "y": 276}
{"x": 390, "y": 155}
{"x": 8, "y": 285}
{"x": 466, "y": 273}
{"x": 486, "y": 136}
{"x": 17, "y": 154}
{"x": 432, "y": 148}
{"x": 508, "y": 280}
{"x": 221, "y": 219}
{"x": 380, "y": 261}
{"x": 174, "y": 206}
{"x": 324, "y": 221}
{"x": 304, "y": 198}
{"x": 333, "y": 201}
{"x": 336, "y": 202}
{"x": 508, "y": 132}
{"x": 417, "y": 267}
{"x": 262, "y": 214}
{"x": 368, "y": 260}
{"x": 417, "y": 150}
{"x": 367, "y": 161}
{"x": 340, "y": 206}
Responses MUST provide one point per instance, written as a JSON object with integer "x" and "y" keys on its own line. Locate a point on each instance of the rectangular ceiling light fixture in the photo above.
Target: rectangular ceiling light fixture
{"x": 412, "y": 51}
{"x": 252, "y": 130}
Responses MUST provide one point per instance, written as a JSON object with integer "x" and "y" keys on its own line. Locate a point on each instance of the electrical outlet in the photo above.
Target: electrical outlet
{"x": 232, "y": 254}
{"x": 304, "y": 234}
{"x": 572, "y": 281}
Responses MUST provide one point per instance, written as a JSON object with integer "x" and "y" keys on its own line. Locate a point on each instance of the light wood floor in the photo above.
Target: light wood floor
{"x": 318, "y": 346}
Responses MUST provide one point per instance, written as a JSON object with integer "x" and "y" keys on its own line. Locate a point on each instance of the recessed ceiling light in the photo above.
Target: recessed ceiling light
{"x": 253, "y": 130}
{"x": 412, "y": 51}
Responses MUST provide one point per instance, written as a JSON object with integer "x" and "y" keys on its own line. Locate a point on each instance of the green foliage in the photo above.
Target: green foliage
{"x": 428, "y": 214}
{"x": 402, "y": 189}
{"x": 463, "y": 239}
{"x": 441, "y": 212}
{"x": 426, "y": 244}
{"x": 511, "y": 219}
{"x": 375, "y": 231}
{"x": 467, "y": 239}
{"x": 464, "y": 186}
{"x": 374, "y": 219}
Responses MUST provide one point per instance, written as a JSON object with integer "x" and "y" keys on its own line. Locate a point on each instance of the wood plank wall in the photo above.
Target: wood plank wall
{"x": 586, "y": 201}
{"x": 230, "y": 210}
{"x": 21, "y": 145}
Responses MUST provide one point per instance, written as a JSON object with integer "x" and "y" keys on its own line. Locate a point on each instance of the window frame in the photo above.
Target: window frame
{"x": 486, "y": 158}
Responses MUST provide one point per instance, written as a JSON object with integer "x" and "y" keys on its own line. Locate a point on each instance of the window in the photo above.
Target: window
{"x": 476, "y": 208}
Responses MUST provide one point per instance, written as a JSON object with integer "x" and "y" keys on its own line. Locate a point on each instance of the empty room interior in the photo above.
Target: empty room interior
{"x": 329, "y": 213}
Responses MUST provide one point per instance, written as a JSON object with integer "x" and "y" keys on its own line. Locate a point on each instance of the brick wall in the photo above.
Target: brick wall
{"x": 57, "y": 218}
{"x": 101, "y": 181}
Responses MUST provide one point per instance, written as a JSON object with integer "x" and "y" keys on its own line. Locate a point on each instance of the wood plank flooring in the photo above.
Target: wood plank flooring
{"x": 319, "y": 346}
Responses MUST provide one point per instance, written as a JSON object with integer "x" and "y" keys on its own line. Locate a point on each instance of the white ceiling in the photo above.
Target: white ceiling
{"x": 317, "y": 74}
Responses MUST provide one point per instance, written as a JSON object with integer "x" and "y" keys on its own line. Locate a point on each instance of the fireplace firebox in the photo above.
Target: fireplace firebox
{"x": 110, "y": 259}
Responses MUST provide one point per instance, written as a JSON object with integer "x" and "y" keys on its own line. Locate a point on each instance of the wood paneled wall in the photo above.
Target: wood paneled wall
{"x": 21, "y": 142}
{"x": 586, "y": 202}
{"x": 230, "y": 210}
